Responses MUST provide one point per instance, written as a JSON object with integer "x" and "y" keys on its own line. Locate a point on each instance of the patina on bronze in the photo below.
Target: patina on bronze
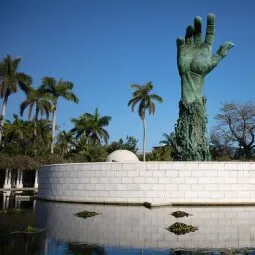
{"x": 195, "y": 61}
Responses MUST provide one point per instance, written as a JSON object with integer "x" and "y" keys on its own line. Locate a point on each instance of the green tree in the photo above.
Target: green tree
{"x": 18, "y": 134}
{"x": 92, "y": 126}
{"x": 65, "y": 142}
{"x": 167, "y": 139}
{"x": 40, "y": 99}
{"x": 56, "y": 90}
{"x": 163, "y": 153}
{"x": 142, "y": 96}
{"x": 130, "y": 144}
{"x": 10, "y": 81}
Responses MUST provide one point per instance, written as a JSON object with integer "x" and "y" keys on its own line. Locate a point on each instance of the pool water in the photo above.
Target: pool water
{"x": 125, "y": 230}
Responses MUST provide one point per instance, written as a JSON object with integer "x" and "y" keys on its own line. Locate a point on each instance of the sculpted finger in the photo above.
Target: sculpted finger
{"x": 210, "y": 29}
{"x": 224, "y": 48}
{"x": 180, "y": 43}
{"x": 198, "y": 30}
{"x": 221, "y": 53}
{"x": 189, "y": 35}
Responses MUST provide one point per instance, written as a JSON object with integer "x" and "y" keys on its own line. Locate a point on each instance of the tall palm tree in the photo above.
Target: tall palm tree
{"x": 92, "y": 126}
{"x": 57, "y": 89}
{"x": 10, "y": 81}
{"x": 40, "y": 99}
{"x": 142, "y": 96}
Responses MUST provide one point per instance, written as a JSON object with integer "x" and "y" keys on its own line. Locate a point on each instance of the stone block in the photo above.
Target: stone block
{"x": 127, "y": 180}
{"x": 152, "y": 166}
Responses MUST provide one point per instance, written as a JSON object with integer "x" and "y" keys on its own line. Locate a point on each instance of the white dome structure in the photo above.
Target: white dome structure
{"x": 122, "y": 156}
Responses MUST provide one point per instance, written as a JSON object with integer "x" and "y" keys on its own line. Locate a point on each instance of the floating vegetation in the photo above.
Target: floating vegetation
{"x": 28, "y": 230}
{"x": 10, "y": 211}
{"x": 31, "y": 229}
{"x": 180, "y": 214}
{"x": 181, "y": 228}
{"x": 147, "y": 205}
{"x": 86, "y": 214}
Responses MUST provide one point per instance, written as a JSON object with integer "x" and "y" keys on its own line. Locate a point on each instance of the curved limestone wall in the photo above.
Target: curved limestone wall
{"x": 155, "y": 182}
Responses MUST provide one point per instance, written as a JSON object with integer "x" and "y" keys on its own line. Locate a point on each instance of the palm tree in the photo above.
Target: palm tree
{"x": 10, "y": 81}
{"x": 16, "y": 135}
{"x": 57, "y": 89}
{"x": 92, "y": 126}
{"x": 142, "y": 96}
{"x": 167, "y": 139}
{"x": 64, "y": 142}
{"x": 40, "y": 99}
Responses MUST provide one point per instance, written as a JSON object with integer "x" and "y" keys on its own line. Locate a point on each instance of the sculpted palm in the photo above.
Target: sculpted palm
{"x": 195, "y": 59}
{"x": 142, "y": 96}
{"x": 56, "y": 90}
{"x": 10, "y": 81}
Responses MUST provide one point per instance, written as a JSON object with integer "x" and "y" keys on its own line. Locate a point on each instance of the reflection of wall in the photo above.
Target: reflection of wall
{"x": 155, "y": 182}
{"x": 133, "y": 226}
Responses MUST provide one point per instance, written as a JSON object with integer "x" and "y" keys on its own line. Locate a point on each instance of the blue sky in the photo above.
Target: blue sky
{"x": 104, "y": 46}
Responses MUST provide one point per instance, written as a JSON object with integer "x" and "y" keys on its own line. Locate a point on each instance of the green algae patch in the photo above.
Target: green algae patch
{"x": 180, "y": 214}
{"x": 86, "y": 214}
{"x": 181, "y": 228}
{"x": 31, "y": 229}
{"x": 28, "y": 230}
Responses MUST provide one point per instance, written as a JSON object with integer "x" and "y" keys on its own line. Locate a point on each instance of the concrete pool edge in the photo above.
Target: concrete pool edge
{"x": 202, "y": 204}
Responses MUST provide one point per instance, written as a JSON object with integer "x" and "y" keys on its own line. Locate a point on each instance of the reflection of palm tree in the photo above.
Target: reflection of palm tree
{"x": 85, "y": 249}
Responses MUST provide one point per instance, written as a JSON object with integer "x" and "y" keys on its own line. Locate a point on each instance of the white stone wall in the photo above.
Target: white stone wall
{"x": 154, "y": 182}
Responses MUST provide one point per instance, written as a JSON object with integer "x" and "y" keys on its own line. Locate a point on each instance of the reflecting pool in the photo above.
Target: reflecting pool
{"x": 126, "y": 230}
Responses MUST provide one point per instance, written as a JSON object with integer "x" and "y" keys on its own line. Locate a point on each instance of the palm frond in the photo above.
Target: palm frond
{"x": 156, "y": 97}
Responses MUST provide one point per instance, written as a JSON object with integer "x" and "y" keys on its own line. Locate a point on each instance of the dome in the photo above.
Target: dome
{"x": 122, "y": 156}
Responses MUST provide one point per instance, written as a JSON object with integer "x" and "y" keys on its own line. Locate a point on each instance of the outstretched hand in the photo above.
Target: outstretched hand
{"x": 195, "y": 56}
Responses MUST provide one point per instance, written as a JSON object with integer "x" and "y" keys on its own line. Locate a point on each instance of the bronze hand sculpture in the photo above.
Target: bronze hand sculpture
{"x": 195, "y": 61}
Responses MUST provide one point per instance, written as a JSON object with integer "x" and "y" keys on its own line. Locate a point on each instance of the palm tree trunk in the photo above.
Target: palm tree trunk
{"x": 35, "y": 129}
{"x": 2, "y": 116}
{"x": 53, "y": 128}
{"x": 144, "y": 137}
{"x": 35, "y": 124}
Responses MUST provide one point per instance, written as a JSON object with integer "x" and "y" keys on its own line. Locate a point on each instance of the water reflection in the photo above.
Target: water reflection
{"x": 17, "y": 244}
{"x": 85, "y": 249}
{"x": 126, "y": 230}
{"x": 122, "y": 226}
{"x": 14, "y": 200}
